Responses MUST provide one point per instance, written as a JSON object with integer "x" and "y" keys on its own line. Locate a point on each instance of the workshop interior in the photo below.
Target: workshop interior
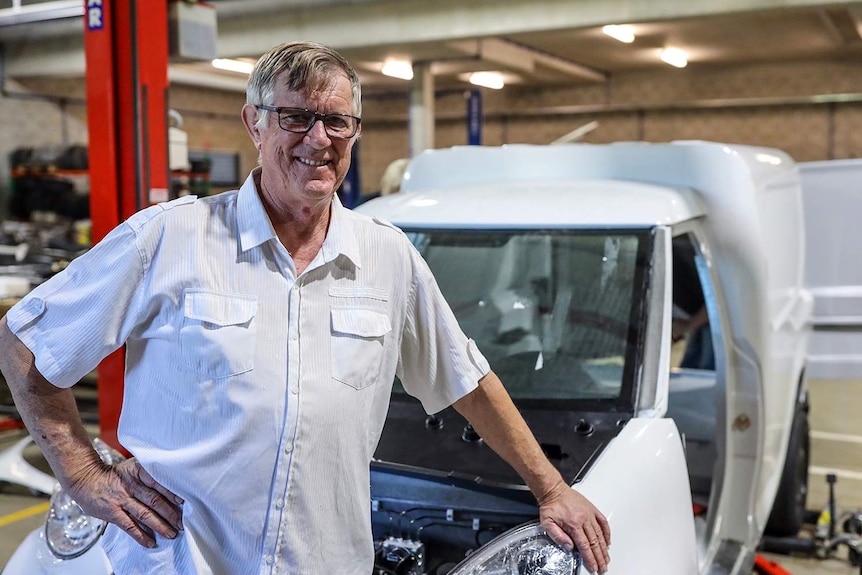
{"x": 641, "y": 113}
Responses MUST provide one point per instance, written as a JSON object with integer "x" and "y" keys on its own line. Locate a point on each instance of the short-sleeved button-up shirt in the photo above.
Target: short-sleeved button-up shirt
{"x": 255, "y": 395}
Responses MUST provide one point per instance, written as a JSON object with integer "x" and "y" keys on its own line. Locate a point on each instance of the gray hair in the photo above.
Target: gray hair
{"x": 306, "y": 66}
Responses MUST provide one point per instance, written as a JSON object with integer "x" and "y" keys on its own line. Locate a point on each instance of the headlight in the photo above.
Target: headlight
{"x": 525, "y": 550}
{"x": 69, "y": 532}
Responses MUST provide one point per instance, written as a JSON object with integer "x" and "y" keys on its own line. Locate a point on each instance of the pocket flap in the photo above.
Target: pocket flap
{"x": 360, "y": 322}
{"x": 220, "y": 309}
{"x": 359, "y": 292}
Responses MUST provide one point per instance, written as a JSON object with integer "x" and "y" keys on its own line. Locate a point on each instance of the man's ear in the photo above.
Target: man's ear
{"x": 249, "y": 120}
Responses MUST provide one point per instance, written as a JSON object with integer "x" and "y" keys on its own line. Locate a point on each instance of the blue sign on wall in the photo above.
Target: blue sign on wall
{"x": 95, "y": 15}
{"x": 474, "y": 118}
{"x": 350, "y": 189}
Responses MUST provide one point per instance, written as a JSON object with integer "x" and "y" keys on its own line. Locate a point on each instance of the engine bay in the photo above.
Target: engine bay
{"x": 438, "y": 493}
{"x": 426, "y": 523}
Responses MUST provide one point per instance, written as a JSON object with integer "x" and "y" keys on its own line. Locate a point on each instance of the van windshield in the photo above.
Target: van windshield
{"x": 559, "y": 314}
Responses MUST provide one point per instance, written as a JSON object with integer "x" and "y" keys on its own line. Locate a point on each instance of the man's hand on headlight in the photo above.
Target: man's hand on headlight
{"x": 572, "y": 521}
{"x": 127, "y": 496}
{"x": 566, "y": 515}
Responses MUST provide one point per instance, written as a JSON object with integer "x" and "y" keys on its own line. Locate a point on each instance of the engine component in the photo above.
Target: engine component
{"x": 397, "y": 556}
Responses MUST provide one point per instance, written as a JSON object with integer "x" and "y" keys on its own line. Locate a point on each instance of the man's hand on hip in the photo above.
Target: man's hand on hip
{"x": 125, "y": 495}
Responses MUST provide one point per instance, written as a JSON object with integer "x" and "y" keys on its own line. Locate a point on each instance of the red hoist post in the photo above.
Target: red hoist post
{"x": 126, "y": 45}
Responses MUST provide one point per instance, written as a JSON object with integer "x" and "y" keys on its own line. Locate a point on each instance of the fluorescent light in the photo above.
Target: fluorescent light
{"x": 492, "y": 80}
{"x": 233, "y": 65}
{"x": 621, "y": 32}
{"x": 398, "y": 69}
{"x": 674, "y": 56}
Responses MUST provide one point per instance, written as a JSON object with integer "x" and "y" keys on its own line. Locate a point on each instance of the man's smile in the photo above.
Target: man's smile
{"x": 313, "y": 163}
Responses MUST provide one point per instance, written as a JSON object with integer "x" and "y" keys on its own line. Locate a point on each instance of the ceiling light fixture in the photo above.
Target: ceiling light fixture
{"x": 493, "y": 80}
{"x": 398, "y": 69}
{"x": 622, "y": 32}
{"x": 239, "y": 66}
{"x": 674, "y": 56}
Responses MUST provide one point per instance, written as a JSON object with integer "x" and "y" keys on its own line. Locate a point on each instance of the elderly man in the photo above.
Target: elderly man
{"x": 263, "y": 330}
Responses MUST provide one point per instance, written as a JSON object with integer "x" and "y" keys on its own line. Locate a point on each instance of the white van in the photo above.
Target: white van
{"x": 567, "y": 264}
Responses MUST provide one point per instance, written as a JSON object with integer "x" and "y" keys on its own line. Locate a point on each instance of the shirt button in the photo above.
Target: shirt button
{"x": 295, "y": 336}
{"x": 269, "y": 559}
{"x": 288, "y": 449}
{"x": 294, "y": 390}
{"x": 279, "y": 504}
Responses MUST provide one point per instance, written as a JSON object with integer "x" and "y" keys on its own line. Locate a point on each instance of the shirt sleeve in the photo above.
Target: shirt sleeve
{"x": 438, "y": 364}
{"x": 79, "y": 316}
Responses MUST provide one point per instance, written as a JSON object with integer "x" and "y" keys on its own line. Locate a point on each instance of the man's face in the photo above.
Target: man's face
{"x": 310, "y": 165}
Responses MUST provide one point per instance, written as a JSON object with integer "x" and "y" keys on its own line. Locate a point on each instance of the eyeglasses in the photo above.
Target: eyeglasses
{"x": 300, "y": 121}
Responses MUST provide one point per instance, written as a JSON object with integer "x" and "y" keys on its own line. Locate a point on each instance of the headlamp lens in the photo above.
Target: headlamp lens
{"x": 525, "y": 550}
{"x": 69, "y": 532}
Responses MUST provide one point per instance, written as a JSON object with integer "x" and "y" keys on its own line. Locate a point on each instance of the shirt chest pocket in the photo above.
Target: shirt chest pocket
{"x": 357, "y": 343}
{"x": 218, "y": 333}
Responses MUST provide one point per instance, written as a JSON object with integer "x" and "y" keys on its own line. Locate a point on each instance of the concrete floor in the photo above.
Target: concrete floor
{"x": 799, "y": 566}
{"x": 836, "y": 432}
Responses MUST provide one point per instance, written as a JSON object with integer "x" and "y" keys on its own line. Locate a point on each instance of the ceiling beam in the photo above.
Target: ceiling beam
{"x": 841, "y": 23}
{"x": 41, "y": 12}
{"x": 854, "y": 12}
{"x": 178, "y": 74}
{"x": 506, "y": 53}
{"x": 494, "y": 50}
{"x": 250, "y": 27}
{"x": 522, "y": 58}
{"x": 389, "y": 22}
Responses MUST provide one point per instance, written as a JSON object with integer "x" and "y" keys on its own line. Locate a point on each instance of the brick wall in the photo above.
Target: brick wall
{"x": 663, "y": 105}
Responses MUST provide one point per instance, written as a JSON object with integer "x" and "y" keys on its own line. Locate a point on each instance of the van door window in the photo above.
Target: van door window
{"x": 691, "y": 330}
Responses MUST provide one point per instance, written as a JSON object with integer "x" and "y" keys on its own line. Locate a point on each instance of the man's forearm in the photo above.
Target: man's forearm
{"x": 50, "y": 413}
{"x": 491, "y": 412}
{"x": 124, "y": 494}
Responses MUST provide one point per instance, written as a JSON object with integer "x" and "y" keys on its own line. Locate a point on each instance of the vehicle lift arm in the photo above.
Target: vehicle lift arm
{"x": 126, "y": 47}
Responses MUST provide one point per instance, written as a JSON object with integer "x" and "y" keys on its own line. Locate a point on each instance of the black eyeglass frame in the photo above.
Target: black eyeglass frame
{"x": 317, "y": 116}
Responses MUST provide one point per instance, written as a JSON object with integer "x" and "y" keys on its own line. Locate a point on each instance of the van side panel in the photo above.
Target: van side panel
{"x": 779, "y": 201}
{"x": 832, "y": 195}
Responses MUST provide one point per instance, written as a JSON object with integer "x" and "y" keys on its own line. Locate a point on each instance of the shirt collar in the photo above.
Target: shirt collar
{"x": 252, "y": 221}
{"x": 341, "y": 238}
{"x": 256, "y": 229}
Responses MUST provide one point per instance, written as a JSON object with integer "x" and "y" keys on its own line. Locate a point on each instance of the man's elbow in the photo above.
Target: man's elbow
{"x": 16, "y": 359}
{"x": 7, "y": 341}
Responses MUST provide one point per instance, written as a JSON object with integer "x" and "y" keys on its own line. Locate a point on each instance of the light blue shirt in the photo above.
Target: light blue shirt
{"x": 255, "y": 395}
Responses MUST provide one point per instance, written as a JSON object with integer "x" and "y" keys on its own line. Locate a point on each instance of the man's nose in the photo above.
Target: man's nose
{"x": 317, "y": 133}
